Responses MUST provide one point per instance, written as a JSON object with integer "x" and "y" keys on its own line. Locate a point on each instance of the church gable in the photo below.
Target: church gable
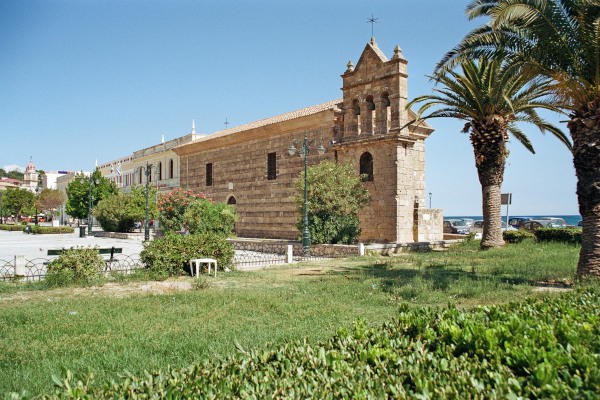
{"x": 371, "y": 56}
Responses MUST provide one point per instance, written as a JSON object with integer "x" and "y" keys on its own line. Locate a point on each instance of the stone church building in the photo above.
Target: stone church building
{"x": 249, "y": 167}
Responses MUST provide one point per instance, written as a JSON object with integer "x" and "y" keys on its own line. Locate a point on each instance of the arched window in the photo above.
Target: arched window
{"x": 231, "y": 201}
{"x": 384, "y": 114}
{"x": 370, "y": 104}
{"x": 366, "y": 166}
{"x": 160, "y": 171}
{"x": 140, "y": 176}
{"x": 171, "y": 168}
{"x": 386, "y": 100}
{"x": 356, "y": 107}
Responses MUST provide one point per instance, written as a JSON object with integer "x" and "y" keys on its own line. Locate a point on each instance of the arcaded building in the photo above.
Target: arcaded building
{"x": 249, "y": 167}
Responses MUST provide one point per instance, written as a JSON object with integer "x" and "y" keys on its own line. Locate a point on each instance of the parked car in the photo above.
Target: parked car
{"x": 517, "y": 222}
{"x": 456, "y": 226}
{"x": 468, "y": 221}
{"x": 534, "y": 224}
{"x": 477, "y": 227}
{"x": 555, "y": 219}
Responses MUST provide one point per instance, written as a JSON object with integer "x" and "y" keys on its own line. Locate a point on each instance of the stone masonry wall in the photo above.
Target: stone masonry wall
{"x": 265, "y": 207}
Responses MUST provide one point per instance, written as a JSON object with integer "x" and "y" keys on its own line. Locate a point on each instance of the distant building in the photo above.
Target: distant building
{"x": 6, "y": 183}
{"x": 49, "y": 179}
{"x": 130, "y": 170}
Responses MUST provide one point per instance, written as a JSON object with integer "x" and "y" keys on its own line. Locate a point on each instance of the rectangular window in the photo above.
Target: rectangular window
{"x": 272, "y": 166}
{"x": 209, "y": 174}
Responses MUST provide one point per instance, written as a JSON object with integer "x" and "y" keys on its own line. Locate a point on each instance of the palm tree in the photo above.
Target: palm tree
{"x": 558, "y": 39}
{"x": 491, "y": 99}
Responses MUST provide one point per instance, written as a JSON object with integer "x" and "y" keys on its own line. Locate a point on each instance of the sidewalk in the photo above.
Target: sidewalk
{"x": 36, "y": 246}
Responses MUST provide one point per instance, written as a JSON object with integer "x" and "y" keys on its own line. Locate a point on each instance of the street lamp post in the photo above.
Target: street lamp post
{"x": 429, "y": 199}
{"x": 147, "y": 172}
{"x": 37, "y": 192}
{"x": 304, "y": 150}
{"x": 1, "y": 212}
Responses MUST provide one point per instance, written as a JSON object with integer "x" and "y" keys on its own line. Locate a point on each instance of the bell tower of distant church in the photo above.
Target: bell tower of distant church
{"x": 30, "y": 177}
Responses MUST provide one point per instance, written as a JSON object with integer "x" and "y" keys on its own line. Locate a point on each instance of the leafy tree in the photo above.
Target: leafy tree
{"x": 136, "y": 206}
{"x": 41, "y": 174}
{"x": 14, "y": 174}
{"x": 204, "y": 216}
{"x": 559, "y": 39}
{"x": 112, "y": 214}
{"x": 50, "y": 200}
{"x": 335, "y": 196}
{"x": 78, "y": 193}
{"x": 491, "y": 99}
{"x": 18, "y": 202}
{"x": 119, "y": 213}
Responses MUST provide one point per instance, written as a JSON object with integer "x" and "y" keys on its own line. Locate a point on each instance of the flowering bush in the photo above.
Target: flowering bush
{"x": 173, "y": 205}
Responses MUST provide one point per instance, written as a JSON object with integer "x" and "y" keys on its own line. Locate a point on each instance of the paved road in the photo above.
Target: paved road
{"x": 37, "y": 246}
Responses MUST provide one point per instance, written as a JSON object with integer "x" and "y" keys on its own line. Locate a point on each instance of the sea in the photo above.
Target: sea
{"x": 570, "y": 220}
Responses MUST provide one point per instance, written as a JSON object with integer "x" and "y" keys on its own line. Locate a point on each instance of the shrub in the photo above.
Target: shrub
{"x": 51, "y": 229}
{"x": 75, "y": 265}
{"x": 203, "y": 216}
{"x": 562, "y": 235}
{"x": 6, "y": 227}
{"x": 120, "y": 212}
{"x": 173, "y": 205}
{"x": 171, "y": 254}
{"x": 112, "y": 214}
{"x": 335, "y": 196}
{"x": 539, "y": 348}
{"x": 516, "y": 236}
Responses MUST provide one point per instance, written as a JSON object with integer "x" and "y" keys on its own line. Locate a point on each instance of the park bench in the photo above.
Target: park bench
{"x": 112, "y": 251}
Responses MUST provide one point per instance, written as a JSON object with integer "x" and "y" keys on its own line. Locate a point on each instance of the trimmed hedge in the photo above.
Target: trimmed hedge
{"x": 539, "y": 348}
{"x": 562, "y": 235}
{"x": 39, "y": 229}
{"x": 6, "y": 227}
{"x": 52, "y": 229}
{"x": 516, "y": 236}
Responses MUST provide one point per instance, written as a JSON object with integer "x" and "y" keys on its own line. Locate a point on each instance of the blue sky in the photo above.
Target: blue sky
{"x": 87, "y": 80}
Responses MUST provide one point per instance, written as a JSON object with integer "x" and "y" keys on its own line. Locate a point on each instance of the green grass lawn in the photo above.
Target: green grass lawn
{"x": 111, "y": 332}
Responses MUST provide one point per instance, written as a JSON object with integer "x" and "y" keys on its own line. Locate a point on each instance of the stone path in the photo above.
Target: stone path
{"x": 37, "y": 246}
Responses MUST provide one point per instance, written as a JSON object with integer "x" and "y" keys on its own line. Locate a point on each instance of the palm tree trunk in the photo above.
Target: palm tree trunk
{"x": 488, "y": 140}
{"x": 585, "y": 132}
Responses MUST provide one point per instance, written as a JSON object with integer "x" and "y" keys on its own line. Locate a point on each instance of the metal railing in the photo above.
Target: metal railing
{"x": 36, "y": 269}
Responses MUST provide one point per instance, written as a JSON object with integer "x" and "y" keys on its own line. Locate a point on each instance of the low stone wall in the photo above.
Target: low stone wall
{"x": 397, "y": 248}
{"x": 335, "y": 250}
{"x": 281, "y": 246}
{"x": 124, "y": 235}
